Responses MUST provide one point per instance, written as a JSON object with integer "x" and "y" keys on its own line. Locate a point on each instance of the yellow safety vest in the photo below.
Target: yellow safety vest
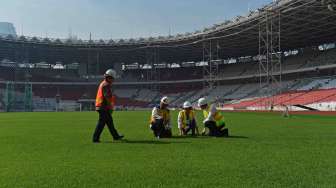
{"x": 164, "y": 113}
{"x": 184, "y": 117}
{"x": 218, "y": 117}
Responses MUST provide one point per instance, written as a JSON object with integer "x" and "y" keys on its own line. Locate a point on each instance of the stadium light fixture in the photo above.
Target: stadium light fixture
{"x": 331, "y": 5}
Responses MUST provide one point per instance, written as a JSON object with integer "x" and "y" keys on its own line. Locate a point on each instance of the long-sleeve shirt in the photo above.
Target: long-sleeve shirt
{"x": 211, "y": 114}
{"x": 183, "y": 118}
{"x": 161, "y": 114}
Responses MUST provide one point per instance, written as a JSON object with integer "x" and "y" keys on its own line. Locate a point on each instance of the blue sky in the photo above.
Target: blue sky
{"x": 119, "y": 18}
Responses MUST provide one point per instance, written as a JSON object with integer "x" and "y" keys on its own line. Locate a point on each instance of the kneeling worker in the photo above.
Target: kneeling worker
{"x": 213, "y": 120}
{"x": 160, "y": 120}
{"x": 186, "y": 120}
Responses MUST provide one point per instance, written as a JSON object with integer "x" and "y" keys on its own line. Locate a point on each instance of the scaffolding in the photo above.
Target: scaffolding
{"x": 28, "y": 97}
{"x": 13, "y": 97}
{"x": 270, "y": 56}
{"x": 153, "y": 75}
{"x": 210, "y": 66}
{"x": 9, "y": 97}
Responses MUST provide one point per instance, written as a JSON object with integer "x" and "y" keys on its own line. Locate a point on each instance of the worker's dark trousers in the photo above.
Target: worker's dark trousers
{"x": 191, "y": 127}
{"x": 105, "y": 117}
{"x": 159, "y": 129}
{"x": 215, "y": 130}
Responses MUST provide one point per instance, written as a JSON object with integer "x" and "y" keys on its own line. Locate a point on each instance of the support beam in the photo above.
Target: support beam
{"x": 210, "y": 69}
{"x": 270, "y": 56}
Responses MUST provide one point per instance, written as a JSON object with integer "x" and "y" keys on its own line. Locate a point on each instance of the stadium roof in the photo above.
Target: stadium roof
{"x": 304, "y": 23}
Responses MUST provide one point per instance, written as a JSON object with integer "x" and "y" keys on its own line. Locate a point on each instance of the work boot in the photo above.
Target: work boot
{"x": 119, "y": 137}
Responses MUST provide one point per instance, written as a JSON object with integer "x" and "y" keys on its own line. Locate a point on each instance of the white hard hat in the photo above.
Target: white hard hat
{"x": 202, "y": 101}
{"x": 165, "y": 100}
{"x": 111, "y": 73}
{"x": 187, "y": 104}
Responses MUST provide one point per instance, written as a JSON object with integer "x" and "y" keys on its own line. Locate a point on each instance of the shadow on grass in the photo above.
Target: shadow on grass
{"x": 200, "y": 137}
{"x": 189, "y": 137}
{"x": 237, "y": 137}
{"x": 165, "y": 141}
{"x": 168, "y": 141}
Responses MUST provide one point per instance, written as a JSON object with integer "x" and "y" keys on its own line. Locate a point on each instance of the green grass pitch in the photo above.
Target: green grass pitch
{"x": 266, "y": 150}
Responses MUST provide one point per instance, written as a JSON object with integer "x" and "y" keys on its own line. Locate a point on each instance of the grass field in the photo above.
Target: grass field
{"x": 265, "y": 150}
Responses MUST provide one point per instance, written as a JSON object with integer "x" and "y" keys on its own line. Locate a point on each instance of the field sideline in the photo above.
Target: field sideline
{"x": 265, "y": 150}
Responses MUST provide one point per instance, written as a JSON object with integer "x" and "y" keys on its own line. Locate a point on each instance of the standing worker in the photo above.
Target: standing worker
{"x": 186, "y": 120}
{"x": 285, "y": 113}
{"x": 104, "y": 106}
{"x": 160, "y": 120}
{"x": 213, "y": 120}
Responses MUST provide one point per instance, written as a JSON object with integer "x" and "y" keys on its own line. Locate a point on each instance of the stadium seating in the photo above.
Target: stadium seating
{"x": 315, "y": 84}
{"x": 293, "y": 98}
{"x": 239, "y": 94}
{"x": 293, "y": 62}
{"x": 146, "y": 95}
{"x": 125, "y": 93}
{"x": 324, "y": 58}
{"x": 330, "y": 83}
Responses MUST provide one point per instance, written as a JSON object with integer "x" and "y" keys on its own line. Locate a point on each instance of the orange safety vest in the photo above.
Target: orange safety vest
{"x": 102, "y": 102}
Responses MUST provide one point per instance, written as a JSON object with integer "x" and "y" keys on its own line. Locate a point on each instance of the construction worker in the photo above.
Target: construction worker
{"x": 186, "y": 120}
{"x": 285, "y": 113}
{"x": 213, "y": 120}
{"x": 160, "y": 120}
{"x": 104, "y": 106}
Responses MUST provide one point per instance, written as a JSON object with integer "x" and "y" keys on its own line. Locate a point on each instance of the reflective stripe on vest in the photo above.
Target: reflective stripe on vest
{"x": 184, "y": 118}
{"x": 218, "y": 117}
{"x": 164, "y": 113}
{"x": 110, "y": 101}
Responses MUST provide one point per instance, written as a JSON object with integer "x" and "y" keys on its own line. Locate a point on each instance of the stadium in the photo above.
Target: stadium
{"x": 279, "y": 57}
